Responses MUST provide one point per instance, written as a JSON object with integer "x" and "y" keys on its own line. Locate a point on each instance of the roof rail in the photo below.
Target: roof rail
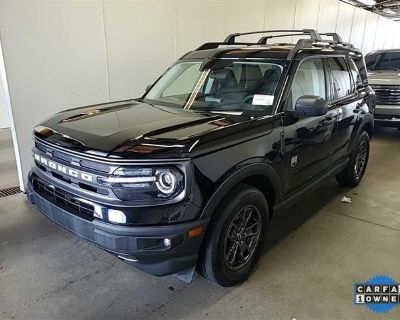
{"x": 213, "y": 45}
{"x": 308, "y": 44}
{"x": 300, "y": 45}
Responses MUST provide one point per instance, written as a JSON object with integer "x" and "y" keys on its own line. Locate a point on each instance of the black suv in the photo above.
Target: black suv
{"x": 190, "y": 174}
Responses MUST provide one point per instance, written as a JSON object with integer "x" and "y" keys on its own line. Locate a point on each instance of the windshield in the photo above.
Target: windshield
{"x": 383, "y": 61}
{"x": 224, "y": 86}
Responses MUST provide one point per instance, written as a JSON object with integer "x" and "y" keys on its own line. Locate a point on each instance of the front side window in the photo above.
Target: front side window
{"x": 225, "y": 85}
{"x": 383, "y": 61}
{"x": 308, "y": 80}
{"x": 340, "y": 78}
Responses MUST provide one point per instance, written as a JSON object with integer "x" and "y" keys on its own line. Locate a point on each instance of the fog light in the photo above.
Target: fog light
{"x": 116, "y": 216}
{"x": 167, "y": 242}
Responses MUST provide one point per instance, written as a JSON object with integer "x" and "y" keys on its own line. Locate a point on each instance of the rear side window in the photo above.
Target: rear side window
{"x": 309, "y": 80}
{"x": 355, "y": 74}
{"x": 340, "y": 78}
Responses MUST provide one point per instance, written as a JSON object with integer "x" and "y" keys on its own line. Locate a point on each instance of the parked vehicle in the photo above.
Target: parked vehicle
{"x": 190, "y": 174}
{"x": 384, "y": 76}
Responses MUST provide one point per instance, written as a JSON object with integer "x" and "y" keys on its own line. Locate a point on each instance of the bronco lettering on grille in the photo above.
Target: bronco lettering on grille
{"x": 63, "y": 169}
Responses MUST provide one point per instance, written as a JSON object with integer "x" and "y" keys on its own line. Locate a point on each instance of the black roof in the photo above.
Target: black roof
{"x": 312, "y": 44}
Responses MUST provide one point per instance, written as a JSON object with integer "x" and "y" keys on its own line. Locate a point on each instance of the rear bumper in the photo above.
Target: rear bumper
{"x": 387, "y": 115}
{"x": 140, "y": 246}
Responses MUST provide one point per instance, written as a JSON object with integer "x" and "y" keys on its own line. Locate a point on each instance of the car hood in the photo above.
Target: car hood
{"x": 384, "y": 77}
{"x": 119, "y": 129}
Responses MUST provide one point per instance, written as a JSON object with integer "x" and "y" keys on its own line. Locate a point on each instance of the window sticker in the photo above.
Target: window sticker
{"x": 263, "y": 100}
{"x": 212, "y": 99}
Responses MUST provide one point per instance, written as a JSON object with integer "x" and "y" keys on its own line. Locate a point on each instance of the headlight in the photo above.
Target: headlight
{"x": 166, "y": 181}
{"x": 146, "y": 184}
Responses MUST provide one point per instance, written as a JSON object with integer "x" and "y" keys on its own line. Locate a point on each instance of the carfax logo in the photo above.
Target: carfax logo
{"x": 380, "y": 294}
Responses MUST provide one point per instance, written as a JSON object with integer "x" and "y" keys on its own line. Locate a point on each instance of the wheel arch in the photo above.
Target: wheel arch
{"x": 367, "y": 125}
{"x": 259, "y": 175}
{"x": 369, "y": 128}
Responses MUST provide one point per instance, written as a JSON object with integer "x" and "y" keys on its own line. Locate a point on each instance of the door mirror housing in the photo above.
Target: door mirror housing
{"x": 311, "y": 106}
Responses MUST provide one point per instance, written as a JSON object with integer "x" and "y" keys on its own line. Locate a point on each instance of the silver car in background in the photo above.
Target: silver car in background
{"x": 384, "y": 77}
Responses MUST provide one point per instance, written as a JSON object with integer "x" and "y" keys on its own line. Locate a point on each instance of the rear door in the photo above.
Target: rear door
{"x": 345, "y": 98}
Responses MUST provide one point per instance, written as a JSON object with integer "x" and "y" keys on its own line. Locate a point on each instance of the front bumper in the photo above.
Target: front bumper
{"x": 140, "y": 246}
{"x": 387, "y": 115}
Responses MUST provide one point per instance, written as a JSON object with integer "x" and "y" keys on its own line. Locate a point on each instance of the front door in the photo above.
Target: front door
{"x": 307, "y": 139}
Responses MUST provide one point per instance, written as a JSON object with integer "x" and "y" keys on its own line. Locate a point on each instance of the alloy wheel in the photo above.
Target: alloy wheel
{"x": 242, "y": 237}
{"x": 361, "y": 160}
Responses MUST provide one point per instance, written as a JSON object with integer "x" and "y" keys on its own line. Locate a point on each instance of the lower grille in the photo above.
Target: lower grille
{"x": 63, "y": 199}
{"x": 387, "y": 94}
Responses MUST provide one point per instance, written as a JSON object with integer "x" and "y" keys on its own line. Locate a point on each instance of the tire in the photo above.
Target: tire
{"x": 226, "y": 234}
{"x": 354, "y": 171}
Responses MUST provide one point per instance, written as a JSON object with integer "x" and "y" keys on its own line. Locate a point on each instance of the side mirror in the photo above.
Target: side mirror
{"x": 148, "y": 87}
{"x": 311, "y": 106}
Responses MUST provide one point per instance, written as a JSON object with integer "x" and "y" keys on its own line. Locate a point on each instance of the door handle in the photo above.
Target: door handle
{"x": 362, "y": 94}
{"x": 329, "y": 118}
{"x": 358, "y": 107}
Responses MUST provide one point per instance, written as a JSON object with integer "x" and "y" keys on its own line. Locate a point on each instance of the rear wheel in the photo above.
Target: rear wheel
{"x": 234, "y": 239}
{"x": 354, "y": 171}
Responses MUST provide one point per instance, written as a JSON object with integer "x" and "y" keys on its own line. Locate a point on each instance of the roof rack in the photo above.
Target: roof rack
{"x": 311, "y": 32}
{"x": 313, "y": 40}
{"x": 230, "y": 39}
{"x": 334, "y": 36}
{"x": 337, "y": 40}
{"x": 265, "y": 39}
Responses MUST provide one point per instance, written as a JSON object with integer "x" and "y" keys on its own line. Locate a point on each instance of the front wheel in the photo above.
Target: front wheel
{"x": 233, "y": 241}
{"x": 354, "y": 171}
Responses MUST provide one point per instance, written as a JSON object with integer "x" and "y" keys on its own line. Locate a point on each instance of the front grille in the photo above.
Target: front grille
{"x": 99, "y": 168}
{"x": 72, "y": 161}
{"x": 63, "y": 199}
{"x": 95, "y": 166}
{"x": 62, "y": 156}
{"x": 387, "y": 94}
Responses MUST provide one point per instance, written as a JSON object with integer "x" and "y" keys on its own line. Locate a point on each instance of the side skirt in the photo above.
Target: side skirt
{"x": 310, "y": 187}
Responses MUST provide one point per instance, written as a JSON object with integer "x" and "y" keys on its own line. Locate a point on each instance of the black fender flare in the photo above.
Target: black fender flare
{"x": 368, "y": 121}
{"x": 261, "y": 169}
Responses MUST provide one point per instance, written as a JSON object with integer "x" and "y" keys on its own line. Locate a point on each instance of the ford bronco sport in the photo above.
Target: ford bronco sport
{"x": 384, "y": 76}
{"x": 190, "y": 174}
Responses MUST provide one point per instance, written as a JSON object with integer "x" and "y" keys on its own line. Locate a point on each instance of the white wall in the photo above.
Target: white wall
{"x": 64, "y": 53}
{"x": 4, "y": 118}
